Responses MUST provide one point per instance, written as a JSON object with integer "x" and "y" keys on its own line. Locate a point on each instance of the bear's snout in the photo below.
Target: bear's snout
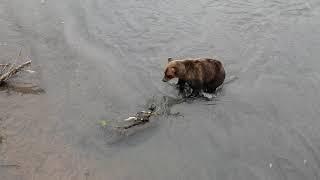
{"x": 164, "y": 79}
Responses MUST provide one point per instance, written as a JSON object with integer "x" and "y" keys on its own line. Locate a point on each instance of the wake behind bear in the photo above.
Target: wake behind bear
{"x": 200, "y": 74}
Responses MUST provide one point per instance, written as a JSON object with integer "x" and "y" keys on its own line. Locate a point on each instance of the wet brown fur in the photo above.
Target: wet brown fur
{"x": 201, "y": 74}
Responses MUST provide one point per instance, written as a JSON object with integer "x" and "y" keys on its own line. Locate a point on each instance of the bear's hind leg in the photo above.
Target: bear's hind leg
{"x": 210, "y": 88}
{"x": 213, "y": 85}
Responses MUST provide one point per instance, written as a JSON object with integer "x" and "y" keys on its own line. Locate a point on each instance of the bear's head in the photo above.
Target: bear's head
{"x": 170, "y": 70}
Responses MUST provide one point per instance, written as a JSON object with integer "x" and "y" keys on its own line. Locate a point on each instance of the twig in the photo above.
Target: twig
{"x": 134, "y": 124}
{"x": 231, "y": 79}
{"x": 9, "y": 165}
{"x": 20, "y": 52}
{"x": 4, "y": 68}
{"x": 87, "y": 174}
{"x": 12, "y": 71}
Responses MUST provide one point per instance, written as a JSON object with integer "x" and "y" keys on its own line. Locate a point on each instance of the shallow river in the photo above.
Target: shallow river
{"x": 104, "y": 59}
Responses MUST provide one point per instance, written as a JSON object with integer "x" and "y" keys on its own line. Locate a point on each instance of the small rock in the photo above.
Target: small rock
{"x": 270, "y": 165}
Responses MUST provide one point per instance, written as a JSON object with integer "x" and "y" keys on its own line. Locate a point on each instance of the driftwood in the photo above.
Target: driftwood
{"x": 139, "y": 119}
{"x": 3, "y": 65}
{"x": 9, "y": 70}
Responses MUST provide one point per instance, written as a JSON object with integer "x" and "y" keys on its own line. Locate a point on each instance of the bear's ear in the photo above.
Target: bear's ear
{"x": 170, "y": 59}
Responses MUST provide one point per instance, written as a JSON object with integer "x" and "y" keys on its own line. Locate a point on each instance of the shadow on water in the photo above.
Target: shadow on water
{"x": 23, "y": 88}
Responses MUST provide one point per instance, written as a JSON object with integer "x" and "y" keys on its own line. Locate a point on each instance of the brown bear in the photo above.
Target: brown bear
{"x": 200, "y": 74}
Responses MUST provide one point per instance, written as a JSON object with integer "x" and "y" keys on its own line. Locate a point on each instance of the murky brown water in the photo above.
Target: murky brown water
{"x": 100, "y": 59}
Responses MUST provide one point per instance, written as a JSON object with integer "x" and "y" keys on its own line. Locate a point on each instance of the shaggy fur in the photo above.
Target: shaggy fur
{"x": 200, "y": 74}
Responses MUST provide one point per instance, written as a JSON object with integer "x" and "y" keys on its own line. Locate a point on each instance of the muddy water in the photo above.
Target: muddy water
{"x": 101, "y": 59}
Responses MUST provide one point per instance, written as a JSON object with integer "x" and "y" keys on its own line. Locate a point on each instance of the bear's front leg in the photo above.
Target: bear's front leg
{"x": 195, "y": 93}
{"x": 181, "y": 85}
{"x": 196, "y": 89}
